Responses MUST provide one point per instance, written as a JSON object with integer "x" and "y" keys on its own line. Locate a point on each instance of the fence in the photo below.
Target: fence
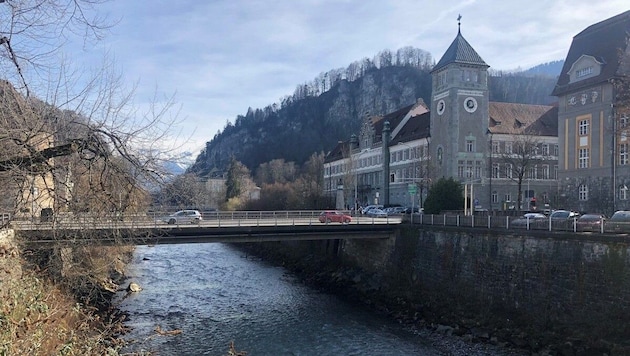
{"x": 514, "y": 223}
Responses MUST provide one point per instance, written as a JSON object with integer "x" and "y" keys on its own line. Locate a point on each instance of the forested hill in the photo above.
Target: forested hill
{"x": 330, "y": 109}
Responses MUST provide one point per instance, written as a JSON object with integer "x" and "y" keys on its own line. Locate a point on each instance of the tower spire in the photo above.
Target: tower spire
{"x": 459, "y": 23}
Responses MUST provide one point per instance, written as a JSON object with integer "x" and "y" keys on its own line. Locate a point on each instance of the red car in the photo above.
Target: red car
{"x": 329, "y": 216}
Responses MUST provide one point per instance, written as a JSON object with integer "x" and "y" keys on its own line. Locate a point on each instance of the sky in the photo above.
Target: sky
{"x": 219, "y": 57}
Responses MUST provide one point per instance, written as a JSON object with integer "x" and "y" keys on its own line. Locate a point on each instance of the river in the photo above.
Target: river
{"x": 215, "y": 294}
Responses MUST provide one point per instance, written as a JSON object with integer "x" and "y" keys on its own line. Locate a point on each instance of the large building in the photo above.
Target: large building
{"x": 575, "y": 155}
{"x": 594, "y": 172}
{"x": 503, "y": 153}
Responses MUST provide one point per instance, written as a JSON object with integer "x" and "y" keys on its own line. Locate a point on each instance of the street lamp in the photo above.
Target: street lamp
{"x": 491, "y": 171}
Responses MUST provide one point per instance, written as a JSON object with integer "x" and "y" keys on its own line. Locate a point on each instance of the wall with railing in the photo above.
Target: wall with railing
{"x": 521, "y": 223}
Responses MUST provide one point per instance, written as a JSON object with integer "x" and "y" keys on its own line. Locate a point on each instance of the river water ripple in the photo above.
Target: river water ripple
{"x": 214, "y": 294}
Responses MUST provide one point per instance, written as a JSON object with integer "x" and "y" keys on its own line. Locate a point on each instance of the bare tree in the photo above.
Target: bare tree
{"x": 73, "y": 142}
{"x": 519, "y": 157}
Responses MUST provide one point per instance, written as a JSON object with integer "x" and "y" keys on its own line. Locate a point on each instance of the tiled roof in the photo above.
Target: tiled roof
{"x": 460, "y": 51}
{"x": 603, "y": 41}
{"x": 337, "y": 152}
{"x": 394, "y": 119}
{"x": 524, "y": 119}
{"x": 417, "y": 127}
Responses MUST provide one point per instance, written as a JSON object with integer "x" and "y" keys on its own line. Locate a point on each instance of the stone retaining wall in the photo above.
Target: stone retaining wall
{"x": 532, "y": 289}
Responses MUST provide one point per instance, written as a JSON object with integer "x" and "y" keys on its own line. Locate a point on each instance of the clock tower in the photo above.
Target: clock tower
{"x": 459, "y": 115}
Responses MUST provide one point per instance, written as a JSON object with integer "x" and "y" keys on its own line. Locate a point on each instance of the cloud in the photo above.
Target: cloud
{"x": 224, "y": 56}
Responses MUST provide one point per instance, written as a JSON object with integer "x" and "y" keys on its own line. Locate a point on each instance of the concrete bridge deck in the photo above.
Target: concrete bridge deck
{"x": 238, "y": 228}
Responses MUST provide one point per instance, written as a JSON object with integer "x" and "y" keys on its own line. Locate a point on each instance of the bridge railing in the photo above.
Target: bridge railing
{"x": 156, "y": 219}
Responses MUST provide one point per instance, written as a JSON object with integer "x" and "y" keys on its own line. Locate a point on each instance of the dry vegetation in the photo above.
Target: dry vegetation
{"x": 44, "y": 313}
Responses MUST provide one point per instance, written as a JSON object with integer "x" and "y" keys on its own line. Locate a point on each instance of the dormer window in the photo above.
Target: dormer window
{"x": 584, "y": 67}
{"x": 581, "y": 73}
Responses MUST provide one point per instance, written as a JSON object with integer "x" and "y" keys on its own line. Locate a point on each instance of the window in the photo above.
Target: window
{"x": 583, "y": 192}
{"x": 555, "y": 150}
{"x": 623, "y": 121}
{"x": 495, "y": 146}
{"x": 507, "y": 197}
{"x": 495, "y": 197}
{"x": 545, "y": 171}
{"x": 442, "y": 79}
{"x": 531, "y": 172}
{"x": 545, "y": 149}
{"x": 508, "y": 147}
{"x": 583, "y": 158}
{"x": 495, "y": 170}
{"x": 623, "y": 154}
{"x": 405, "y": 154}
{"x": 583, "y": 72}
{"x": 469, "y": 169}
{"x": 555, "y": 172}
{"x": 508, "y": 170}
{"x": 470, "y": 146}
{"x": 460, "y": 169}
{"x": 583, "y": 126}
{"x": 623, "y": 192}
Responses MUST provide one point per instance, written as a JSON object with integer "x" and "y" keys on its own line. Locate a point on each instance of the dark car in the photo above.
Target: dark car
{"x": 590, "y": 222}
{"x": 329, "y": 216}
{"x": 619, "y": 222}
{"x": 535, "y": 221}
{"x": 563, "y": 219}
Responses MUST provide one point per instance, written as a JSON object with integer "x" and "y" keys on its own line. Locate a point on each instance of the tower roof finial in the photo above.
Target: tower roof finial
{"x": 459, "y": 23}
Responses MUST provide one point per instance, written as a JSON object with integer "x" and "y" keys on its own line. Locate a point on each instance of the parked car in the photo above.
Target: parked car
{"x": 369, "y": 207}
{"x": 590, "y": 222}
{"x": 563, "y": 219}
{"x": 396, "y": 210}
{"x": 415, "y": 209}
{"x": 329, "y": 216}
{"x": 563, "y": 215}
{"x": 535, "y": 221}
{"x": 619, "y": 222}
{"x": 183, "y": 217}
{"x": 376, "y": 213}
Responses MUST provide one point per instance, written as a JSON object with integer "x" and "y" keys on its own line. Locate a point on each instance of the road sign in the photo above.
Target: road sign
{"x": 412, "y": 188}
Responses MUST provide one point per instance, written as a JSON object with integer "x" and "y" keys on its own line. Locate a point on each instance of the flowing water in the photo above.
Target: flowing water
{"x": 215, "y": 294}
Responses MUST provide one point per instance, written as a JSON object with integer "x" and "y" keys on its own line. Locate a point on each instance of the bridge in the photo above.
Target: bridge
{"x": 225, "y": 227}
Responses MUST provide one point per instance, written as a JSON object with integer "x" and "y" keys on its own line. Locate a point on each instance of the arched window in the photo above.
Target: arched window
{"x": 623, "y": 192}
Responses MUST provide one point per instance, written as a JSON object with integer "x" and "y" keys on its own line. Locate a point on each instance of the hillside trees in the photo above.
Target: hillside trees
{"x": 300, "y": 190}
{"x": 313, "y": 120}
{"x": 238, "y": 185}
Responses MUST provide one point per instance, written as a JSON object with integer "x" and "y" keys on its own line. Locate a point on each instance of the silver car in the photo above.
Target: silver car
{"x": 183, "y": 217}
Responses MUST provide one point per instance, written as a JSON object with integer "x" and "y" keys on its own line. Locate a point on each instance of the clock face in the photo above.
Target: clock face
{"x": 470, "y": 104}
{"x": 441, "y": 106}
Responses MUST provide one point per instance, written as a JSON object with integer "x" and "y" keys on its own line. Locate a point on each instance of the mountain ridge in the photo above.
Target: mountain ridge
{"x": 313, "y": 120}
